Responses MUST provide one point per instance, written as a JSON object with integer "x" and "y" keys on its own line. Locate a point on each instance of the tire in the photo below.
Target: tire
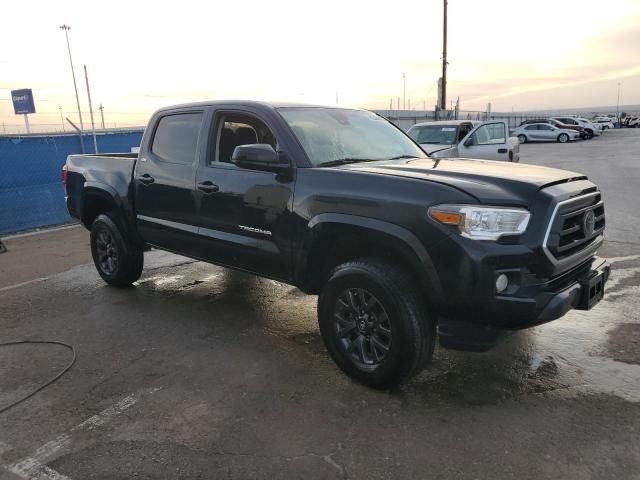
{"x": 522, "y": 138}
{"x": 563, "y": 138}
{"x": 392, "y": 337}
{"x": 118, "y": 261}
{"x": 590, "y": 132}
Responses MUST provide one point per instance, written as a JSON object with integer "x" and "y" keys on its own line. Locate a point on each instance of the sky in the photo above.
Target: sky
{"x": 141, "y": 55}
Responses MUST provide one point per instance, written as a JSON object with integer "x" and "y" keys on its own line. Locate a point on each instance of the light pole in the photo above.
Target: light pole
{"x": 66, "y": 29}
{"x": 61, "y": 119}
{"x": 404, "y": 91}
{"x": 618, "y": 105}
{"x": 102, "y": 114}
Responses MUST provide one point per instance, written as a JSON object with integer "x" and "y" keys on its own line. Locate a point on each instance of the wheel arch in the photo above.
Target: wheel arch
{"x": 99, "y": 198}
{"x": 334, "y": 238}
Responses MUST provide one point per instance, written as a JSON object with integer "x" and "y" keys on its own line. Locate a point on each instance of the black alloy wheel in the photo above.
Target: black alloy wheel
{"x": 107, "y": 252}
{"x": 362, "y": 326}
{"x": 118, "y": 258}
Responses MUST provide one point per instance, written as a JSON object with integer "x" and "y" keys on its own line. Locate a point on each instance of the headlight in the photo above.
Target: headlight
{"x": 482, "y": 223}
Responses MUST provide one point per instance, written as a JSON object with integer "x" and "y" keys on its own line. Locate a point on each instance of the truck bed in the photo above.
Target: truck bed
{"x": 111, "y": 171}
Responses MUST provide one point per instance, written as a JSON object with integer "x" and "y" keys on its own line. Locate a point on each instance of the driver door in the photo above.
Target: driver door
{"x": 243, "y": 214}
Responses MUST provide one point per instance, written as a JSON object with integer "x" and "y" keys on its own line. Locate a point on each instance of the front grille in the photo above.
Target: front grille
{"x": 576, "y": 225}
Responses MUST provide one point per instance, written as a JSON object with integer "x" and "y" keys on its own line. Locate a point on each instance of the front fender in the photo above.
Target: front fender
{"x": 411, "y": 247}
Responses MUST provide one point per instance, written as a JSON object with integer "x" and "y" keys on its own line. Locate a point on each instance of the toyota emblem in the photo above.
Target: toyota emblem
{"x": 588, "y": 223}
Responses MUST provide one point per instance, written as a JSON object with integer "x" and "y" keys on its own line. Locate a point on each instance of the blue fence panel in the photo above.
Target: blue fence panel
{"x": 31, "y": 191}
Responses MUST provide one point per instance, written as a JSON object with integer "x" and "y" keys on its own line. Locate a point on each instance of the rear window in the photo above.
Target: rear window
{"x": 176, "y": 138}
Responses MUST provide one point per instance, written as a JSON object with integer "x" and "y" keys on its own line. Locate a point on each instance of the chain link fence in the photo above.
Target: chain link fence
{"x": 31, "y": 191}
{"x": 405, "y": 119}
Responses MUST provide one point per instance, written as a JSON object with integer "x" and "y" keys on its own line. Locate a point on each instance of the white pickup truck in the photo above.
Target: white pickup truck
{"x": 466, "y": 139}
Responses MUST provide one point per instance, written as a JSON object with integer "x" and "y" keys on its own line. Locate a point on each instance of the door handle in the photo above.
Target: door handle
{"x": 502, "y": 150}
{"x": 208, "y": 187}
{"x": 146, "y": 179}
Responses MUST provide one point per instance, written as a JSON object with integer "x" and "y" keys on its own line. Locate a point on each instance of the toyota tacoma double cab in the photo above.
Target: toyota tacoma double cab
{"x": 400, "y": 248}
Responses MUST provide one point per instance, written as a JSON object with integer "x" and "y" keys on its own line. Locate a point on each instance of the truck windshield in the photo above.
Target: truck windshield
{"x": 331, "y": 136}
{"x": 435, "y": 134}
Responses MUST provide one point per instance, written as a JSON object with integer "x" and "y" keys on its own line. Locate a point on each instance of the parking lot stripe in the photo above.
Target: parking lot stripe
{"x": 40, "y": 232}
{"x": 18, "y": 285}
{"x": 623, "y": 259}
{"x": 33, "y": 467}
{"x": 30, "y": 468}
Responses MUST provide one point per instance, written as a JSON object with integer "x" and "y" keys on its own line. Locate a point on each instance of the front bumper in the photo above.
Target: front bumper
{"x": 581, "y": 288}
{"x": 537, "y": 291}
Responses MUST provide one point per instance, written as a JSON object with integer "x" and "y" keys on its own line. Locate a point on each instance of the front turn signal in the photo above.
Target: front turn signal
{"x": 448, "y": 218}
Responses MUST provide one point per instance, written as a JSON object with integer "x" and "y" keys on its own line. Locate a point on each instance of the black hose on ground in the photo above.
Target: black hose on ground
{"x": 49, "y": 382}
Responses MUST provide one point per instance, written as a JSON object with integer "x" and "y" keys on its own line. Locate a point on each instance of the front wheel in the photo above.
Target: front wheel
{"x": 522, "y": 138}
{"x": 374, "y": 323}
{"x": 118, "y": 261}
{"x": 563, "y": 138}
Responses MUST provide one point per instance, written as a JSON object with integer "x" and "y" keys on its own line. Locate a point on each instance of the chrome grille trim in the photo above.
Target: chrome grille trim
{"x": 597, "y": 240}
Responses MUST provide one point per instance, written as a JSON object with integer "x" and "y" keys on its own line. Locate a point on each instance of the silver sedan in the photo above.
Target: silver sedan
{"x": 543, "y": 132}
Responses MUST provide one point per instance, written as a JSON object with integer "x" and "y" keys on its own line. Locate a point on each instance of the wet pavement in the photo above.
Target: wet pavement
{"x": 200, "y": 372}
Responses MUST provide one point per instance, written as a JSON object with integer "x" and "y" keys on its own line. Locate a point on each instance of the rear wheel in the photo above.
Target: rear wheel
{"x": 563, "y": 138}
{"x": 374, "y": 323}
{"x": 118, "y": 261}
{"x": 522, "y": 138}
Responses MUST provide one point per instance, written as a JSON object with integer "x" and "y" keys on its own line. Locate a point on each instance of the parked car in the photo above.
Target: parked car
{"x": 543, "y": 132}
{"x": 587, "y": 124}
{"x": 606, "y": 122}
{"x": 632, "y": 122}
{"x": 590, "y": 129}
{"x": 558, "y": 124}
{"x": 401, "y": 248}
{"x": 466, "y": 139}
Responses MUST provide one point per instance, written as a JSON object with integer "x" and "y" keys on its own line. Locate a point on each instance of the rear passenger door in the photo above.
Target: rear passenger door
{"x": 164, "y": 181}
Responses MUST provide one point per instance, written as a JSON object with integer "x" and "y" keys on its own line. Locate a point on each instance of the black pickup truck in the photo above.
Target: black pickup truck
{"x": 401, "y": 248}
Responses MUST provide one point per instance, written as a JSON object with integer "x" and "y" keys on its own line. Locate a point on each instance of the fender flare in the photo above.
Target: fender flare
{"x": 105, "y": 191}
{"x": 397, "y": 232}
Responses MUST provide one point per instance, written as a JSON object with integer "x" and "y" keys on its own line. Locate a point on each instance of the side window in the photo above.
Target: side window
{"x": 176, "y": 138}
{"x": 545, "y": 127}
{"x": 234, "y": 129}
{"x": 532, "y": 127}
{"x": 490, "y": 134}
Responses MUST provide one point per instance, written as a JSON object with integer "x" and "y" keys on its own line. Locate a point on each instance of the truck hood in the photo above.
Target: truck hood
{"x": 486, "y": 180}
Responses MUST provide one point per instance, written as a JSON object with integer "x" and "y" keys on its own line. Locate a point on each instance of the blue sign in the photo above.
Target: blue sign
{"x": 23, "y": 101}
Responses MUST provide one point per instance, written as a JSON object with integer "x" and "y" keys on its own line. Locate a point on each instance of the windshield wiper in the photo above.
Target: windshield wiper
{"x": 400, "y": 157}
{"x": 343, "y": 161}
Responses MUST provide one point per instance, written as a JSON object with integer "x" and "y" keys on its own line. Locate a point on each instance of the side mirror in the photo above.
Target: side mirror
{"x": 469, "y": 141}
{"x": 257, "y": 156}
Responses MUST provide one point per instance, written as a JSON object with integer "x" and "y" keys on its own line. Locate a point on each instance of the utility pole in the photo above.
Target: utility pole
{"x": 102, "y": 114}
{"x": 61, "y": 118}
{"x": 93, "y": 125}
{"x": 443, "y": 101}
{"x": 66, "y": 29}
{"x": 404, "y": 91}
